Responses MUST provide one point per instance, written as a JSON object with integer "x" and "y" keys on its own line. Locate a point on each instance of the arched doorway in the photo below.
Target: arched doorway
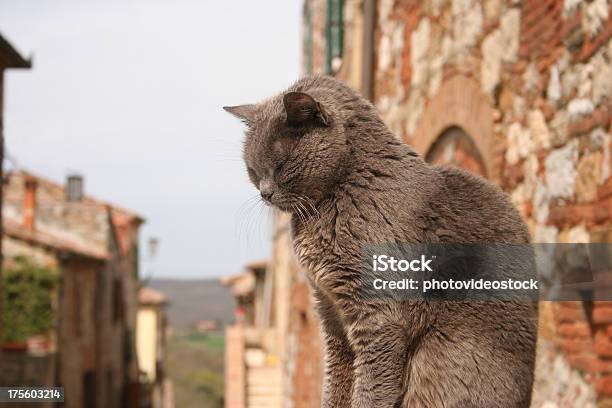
{"x": 456, "y": 148}
{"x": 458, "y": 115}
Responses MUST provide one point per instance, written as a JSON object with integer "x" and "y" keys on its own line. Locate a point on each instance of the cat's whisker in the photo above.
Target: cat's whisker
{"x": 294, "y": 210}
{"x": 245, "y": 216}
{"x": 311, "y": 205}
{"x": 257, "y": 220}
{"x": 299, "y": 212}
{"x": 299, "y": 207}
{"x": 309, "y": 209}
{"x": 299, "y": 202}
{"x": 305, "y": 213}
{"x": 240, "y": 213}
{"x": 246, "y": 219}
{"x": 263, "y": 214}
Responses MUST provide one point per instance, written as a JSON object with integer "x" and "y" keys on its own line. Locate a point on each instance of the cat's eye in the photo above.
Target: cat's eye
{"x": 252, "y": 174}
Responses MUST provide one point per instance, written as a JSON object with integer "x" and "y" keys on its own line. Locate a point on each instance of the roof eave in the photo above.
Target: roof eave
{"x": 10, "y": 57}
{"x": 64, "y": 249}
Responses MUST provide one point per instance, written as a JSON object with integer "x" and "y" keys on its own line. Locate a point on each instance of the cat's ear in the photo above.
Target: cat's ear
{"x": 242, "y": 112}
{"x": 302, "y": 109}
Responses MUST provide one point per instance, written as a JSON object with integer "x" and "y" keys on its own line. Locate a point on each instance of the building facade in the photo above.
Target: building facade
{"x": 518, "y": 92}
{"x": 9, "y": 59}
{"x": 254, "y": 345}
{"x": 94, "y": 246}
{"x": 151, "y": 325}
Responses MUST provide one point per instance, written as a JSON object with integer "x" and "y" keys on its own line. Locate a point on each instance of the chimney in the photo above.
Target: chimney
{"x": 29, "y": 202}
{"x": 74, "y": 187}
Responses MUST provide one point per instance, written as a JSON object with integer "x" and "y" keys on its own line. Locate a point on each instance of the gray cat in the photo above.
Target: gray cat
{"x": 322, "y": 153}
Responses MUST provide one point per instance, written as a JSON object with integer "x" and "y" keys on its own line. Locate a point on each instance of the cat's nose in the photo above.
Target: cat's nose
{"x": 266, "y": 190}
{"x": 267, "y": 195}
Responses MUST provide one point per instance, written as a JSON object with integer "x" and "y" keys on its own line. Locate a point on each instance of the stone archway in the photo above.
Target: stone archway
{"x": 458, "y": 113}
{"x": 456, "y": 148}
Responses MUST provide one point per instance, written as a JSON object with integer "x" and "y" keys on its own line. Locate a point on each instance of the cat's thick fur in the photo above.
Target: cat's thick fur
{"x": 321, "y": 152}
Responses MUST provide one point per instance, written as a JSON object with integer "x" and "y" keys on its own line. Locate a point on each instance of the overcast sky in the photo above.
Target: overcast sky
{"x": 129, "y": 94}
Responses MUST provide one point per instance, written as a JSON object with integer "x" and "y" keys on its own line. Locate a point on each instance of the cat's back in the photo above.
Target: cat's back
{"x": 475, "y": 209}
{"x": 429, "y": 203}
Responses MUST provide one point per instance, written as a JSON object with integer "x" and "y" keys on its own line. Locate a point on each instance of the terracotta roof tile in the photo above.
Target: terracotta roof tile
{"x": 151, "y": 296}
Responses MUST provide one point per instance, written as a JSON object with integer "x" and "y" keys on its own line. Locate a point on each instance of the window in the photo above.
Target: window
{"x": 334, "y": 33}
{"x": 135, "y": 258}
{"x": 117, "y": 296}
{"x": 76, "y": 304}
{"x": 111, "y": 398}
{"x": 89, "y": 389}
{"x": 128, "y": 338}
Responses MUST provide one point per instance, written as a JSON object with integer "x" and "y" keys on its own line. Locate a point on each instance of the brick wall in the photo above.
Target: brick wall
{"x": 519, "y": 92}
{"x": 306, "y": 363}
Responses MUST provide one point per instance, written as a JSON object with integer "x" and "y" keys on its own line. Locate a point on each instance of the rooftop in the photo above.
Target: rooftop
{"x": 118, "y": 212}
{"x": 46, "y": 240}
{"x": 10, "y": 57}
{"x": 150, "y": 296}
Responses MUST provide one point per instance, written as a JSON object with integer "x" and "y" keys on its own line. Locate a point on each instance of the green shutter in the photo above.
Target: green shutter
{"x": 334, "y": 32}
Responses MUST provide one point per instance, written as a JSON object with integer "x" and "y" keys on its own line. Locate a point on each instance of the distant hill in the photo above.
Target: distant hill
{"x": 195, "y": 300}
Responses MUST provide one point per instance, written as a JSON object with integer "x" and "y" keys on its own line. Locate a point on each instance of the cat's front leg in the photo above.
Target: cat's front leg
{"x": 380, "y": 363}
{"x": 338, "y": 380}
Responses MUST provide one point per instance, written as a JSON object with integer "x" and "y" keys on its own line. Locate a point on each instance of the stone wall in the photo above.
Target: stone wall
{"x": 81, "y": 222}
{"x": 519, "y": 92}
{"x": 77, "y": 330}
{"x": 23, "y": 370}
{"x": 12, "y": 247}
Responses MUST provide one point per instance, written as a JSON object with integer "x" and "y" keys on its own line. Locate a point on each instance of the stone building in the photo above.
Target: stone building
{"x": 94, "y": 245}
{"x": 516, "y": 91}
{"x": 9, "y": 59}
